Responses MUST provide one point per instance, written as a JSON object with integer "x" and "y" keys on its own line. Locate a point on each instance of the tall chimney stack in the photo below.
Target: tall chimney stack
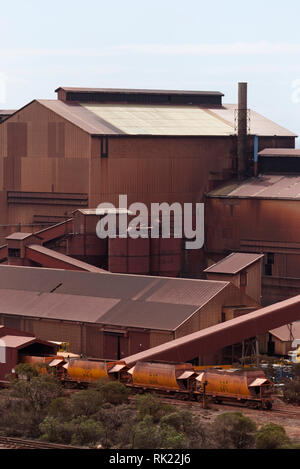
{"x": 242, "y": 164}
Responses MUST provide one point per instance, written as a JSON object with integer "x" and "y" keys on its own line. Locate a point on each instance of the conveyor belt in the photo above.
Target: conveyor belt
{"x": 231, "y": 332}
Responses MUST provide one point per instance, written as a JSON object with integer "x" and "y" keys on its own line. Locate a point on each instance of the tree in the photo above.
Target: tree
{"x": 149, "y": 405}
{"x": 147, "y": 435}
{"x": 233, "y": 431}
{"x": 38, "y": 392}
{"x": 86, "y": 402}
{"x": 56, "y": 431}
{"x": 80, "y": 431}
{"x": 291, "y": 391}
{"x": 25, "y": 370}
{"x": 272, "y": 436}
{"x": 196, "y": 435}
{"x": 113, "y": 392}
{"x": 87, "y": 431}
{"x": 61, "y": 408}
{"x": 118, "y": 422}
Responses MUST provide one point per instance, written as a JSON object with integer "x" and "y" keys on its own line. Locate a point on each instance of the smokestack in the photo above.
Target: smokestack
{"x": 242, "y": 165}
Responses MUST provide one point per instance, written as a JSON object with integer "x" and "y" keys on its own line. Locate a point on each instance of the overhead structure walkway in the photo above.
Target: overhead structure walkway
{"x": 231, "y": 332}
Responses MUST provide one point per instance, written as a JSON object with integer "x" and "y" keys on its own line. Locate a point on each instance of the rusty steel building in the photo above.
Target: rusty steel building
{"x": 90, "y": 145}
{"x": 113, "y": 315}
{"x": 260, "y": 215}
{"x": 18, "y": 343}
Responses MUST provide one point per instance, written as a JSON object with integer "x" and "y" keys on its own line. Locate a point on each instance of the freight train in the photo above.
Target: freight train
{"x": 180, "y": 381}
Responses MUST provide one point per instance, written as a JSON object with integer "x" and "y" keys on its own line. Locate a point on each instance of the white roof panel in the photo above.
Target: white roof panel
{"x": 161, "y": 120}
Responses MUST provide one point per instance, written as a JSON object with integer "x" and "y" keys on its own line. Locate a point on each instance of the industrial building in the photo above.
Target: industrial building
{"x": 90, "y": 145}
{"x": 117, "y": 297}
{"x": 259, "y": 215}
{"x": 283, "y": 338}
{"x": 111, "y": 316}
{"x": 18, "y": 343}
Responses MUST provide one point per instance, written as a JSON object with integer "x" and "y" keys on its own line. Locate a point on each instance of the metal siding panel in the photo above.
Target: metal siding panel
{"x": 16, "y": 139}
{"x": 138, "y": 341}
{"x": 94, "y": 342}
{"x": 110, "y": 346}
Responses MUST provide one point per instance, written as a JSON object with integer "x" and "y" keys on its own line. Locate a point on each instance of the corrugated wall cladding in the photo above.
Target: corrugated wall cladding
{"x": 43, "y": 127}
{"x": 42, "y": 152}
{"x": 159, "y": 169}
{"x": 229, "y": 225}
{"x": 211, "y": 313}
{"x": 16, "y": 139}
{"x": 93, "y": 342}
{"x": 58, "y": 331}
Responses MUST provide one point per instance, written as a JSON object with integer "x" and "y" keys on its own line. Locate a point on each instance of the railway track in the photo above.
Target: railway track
{"x": 20, "y": 443}
{"x": 278, "y": 407}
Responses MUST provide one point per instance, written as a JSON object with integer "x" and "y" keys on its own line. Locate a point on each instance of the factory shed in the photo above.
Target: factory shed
{"x": 93, "y": 144}
{"x": 13, "y": 345}
{"x": 281, "y": 339}
{"x": 110, "y": 315}
{"x": 279, "y": 160}
{"x": 221, "y": 335}
{"x": 259, "y": 215}
{"x": 242, "y": 269}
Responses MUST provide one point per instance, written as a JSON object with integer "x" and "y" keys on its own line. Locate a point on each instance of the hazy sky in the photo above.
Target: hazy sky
{"x": 196, "y": 45}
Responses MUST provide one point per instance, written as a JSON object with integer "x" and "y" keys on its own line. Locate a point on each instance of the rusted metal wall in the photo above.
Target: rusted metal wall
{"x": 258, "y": 225}
{"x": 157, "y": 169}
{"x": 41, "y": 152}
{"x": 253, "y": 280}
{"x": 211, "y": 313}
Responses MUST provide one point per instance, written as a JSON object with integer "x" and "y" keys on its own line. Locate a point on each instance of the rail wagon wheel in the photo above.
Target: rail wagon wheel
{"x": 268, "y": 405}
{"x": 217, "y": 400}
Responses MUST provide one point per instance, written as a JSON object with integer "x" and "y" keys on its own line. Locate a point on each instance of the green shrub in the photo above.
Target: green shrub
{"x": 291, "y": 391}
{"x": 86, "y": 402}
{"x": 233, "y": 431}
{"x": 80, "y": 431}
{"x": 112, "y": 391}
{"x": 25, "y": 371}
{"x": 272, "y": 436}
{"x": 148, "y": 404}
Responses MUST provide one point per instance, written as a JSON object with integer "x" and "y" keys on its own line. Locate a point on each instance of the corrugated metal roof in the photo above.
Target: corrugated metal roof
{"x": 259, "y": 125}
{"x": 283, "y": 333}
{"x": 115, "y": 299}
{"x": 62, "y": 257}
{"x": 138, "y": 91}
{"x": 81, "y": 117}
{"x": 19, "y": 236}
{"x": 131, "y": 287}
{"x": 54, "y": 306}
{"x": 160, "y": 119}
{"x": 234, "y": 263}
{"x": 216, "y": 337}
{"x": 190, "y": 292}
{"x": 264, "y": 187}
{"x": 149, "y": 315}
{"x": 273, "y": 152}
{"x": 15, "y": 341}
{"x": 172, "y": 120}
{"x": 100, "y": 310}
